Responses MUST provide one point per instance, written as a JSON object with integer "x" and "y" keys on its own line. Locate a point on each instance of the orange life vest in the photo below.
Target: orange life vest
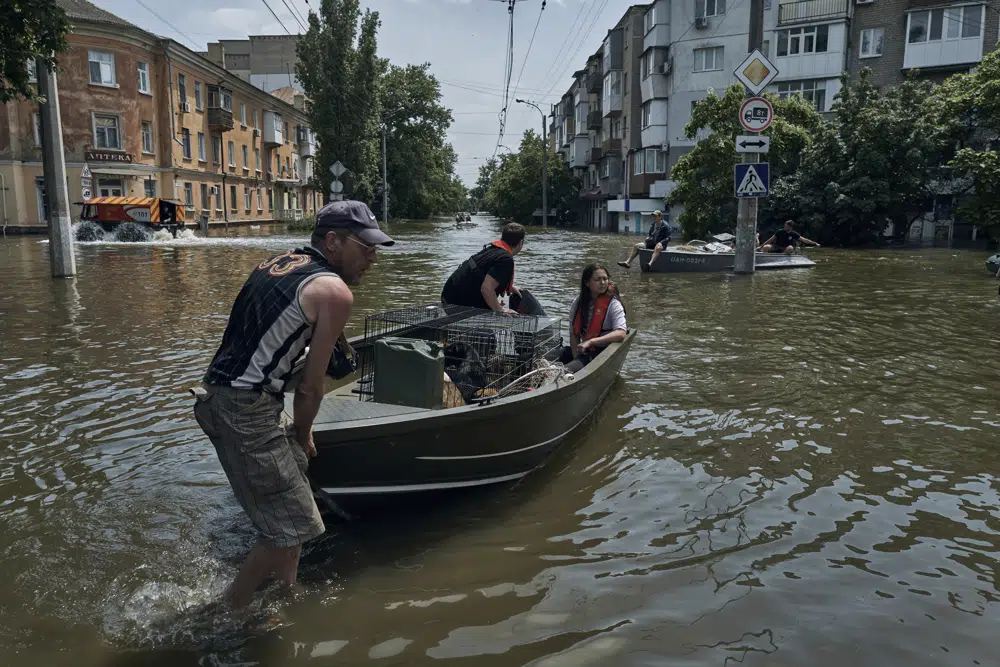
{"x": 601, "y": 305}
{"x": 503, "y": 245}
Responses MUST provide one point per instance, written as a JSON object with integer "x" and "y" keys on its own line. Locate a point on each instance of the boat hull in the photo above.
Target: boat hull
{"x": 993, "y": 264}
{"x": 679, "y": 261}
{"x": 418, "y": 451}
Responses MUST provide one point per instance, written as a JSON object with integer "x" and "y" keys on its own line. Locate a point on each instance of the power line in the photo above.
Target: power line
{"x": 528, "y": 52}
{"x": 581, "y": 41}
{"x": 294, "y": 17}
{"x": 559, "y": 54}
{"x": 508, "y": 73}
{"x": 148, "y": 9}
{"x": 305, "y": 22}
{"x": 275, "y": 16}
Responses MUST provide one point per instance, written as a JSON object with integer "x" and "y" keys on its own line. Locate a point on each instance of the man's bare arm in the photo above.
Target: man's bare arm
{"x": 327, "y": 302}
{"x": 489, "y": 291}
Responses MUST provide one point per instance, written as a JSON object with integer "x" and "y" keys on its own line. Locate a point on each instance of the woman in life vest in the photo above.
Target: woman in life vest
{"x": 597, "y": 318}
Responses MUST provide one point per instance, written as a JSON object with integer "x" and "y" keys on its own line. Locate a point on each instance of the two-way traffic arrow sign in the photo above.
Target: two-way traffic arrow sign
{"x": 753, "y": 144}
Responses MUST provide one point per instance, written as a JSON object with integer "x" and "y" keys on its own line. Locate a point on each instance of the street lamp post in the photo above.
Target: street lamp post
{"x": 545, "y": 165}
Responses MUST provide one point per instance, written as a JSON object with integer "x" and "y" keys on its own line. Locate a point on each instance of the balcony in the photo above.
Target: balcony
{"x": 307, "y": 143}
{"x": 595, "y": 80}
{"x": 654, "y": 87}
{"x": 658, "y": 36}
{"x": 804, "y": 11}
{"x": 595, "y": 119}
{"x": 273, "y": 133}
{"x": 612, "y": 146}
{"x": 579, "y": 152}
{"x": 595, "y": 154}
{"x": 219, "y": 120}
{"x": 954, "y": 38}
{"x": 654, "y": 135}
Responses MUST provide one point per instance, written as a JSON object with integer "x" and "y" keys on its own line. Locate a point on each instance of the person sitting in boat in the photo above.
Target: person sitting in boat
{"x": 597, "y": 318}
{"x": 784, "y": 240}
{"x": 656, "y": 240}
{"x": 481, "y": 280}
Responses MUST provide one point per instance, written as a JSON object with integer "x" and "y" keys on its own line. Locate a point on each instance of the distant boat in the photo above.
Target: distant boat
{"x": 993, "y": 264}
{"x": 698, "y": 257}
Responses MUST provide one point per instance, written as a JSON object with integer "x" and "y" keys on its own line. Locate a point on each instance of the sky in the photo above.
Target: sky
{"x": 463, "y": 40}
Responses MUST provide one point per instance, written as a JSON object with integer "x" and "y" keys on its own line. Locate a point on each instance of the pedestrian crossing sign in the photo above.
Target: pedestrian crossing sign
{"x": 752, "y": 179}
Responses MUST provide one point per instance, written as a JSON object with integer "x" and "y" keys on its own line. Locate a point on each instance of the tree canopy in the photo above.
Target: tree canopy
{"x": 354, "y": 94}
{"x": 29, "y": 29}
{"x": 514, "y": 189}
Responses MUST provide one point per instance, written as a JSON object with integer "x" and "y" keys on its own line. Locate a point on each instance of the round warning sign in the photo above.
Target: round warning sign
{"x": 756, "y": 114}
{"x": 86, "y": 193}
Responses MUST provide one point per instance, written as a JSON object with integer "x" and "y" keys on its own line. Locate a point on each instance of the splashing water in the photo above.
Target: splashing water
{"x": 131, "y": 232}
{"x": 88, "y": 231}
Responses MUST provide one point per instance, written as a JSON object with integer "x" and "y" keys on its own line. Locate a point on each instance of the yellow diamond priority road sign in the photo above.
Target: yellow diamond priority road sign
{"x": 756, "y": 72}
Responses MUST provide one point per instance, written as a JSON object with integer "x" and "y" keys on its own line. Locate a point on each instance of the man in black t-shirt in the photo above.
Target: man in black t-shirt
{"x": 479, "y": 281}
{"x": 784, "y": 240}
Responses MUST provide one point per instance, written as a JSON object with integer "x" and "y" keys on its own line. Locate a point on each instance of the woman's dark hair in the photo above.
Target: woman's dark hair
{"x": 583, "y": 303}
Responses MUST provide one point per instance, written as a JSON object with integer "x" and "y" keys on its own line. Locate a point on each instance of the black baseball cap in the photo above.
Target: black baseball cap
{"x": 352, "y": 216}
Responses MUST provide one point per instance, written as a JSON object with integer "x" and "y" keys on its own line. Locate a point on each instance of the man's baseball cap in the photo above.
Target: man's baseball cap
{"x": 657, "y": 213}
{"x": 352, "y": 216}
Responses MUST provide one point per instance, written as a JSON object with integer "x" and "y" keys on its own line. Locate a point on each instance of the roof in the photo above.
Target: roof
{"x": 286, "y": 94}
{"x": 87, "y": 11}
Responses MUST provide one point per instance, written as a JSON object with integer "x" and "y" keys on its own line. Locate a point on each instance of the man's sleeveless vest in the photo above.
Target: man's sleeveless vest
{"x": 268, "y": 330}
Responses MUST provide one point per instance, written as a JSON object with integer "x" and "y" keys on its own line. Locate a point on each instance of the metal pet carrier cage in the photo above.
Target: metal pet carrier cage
{"x": 483, "y": 351}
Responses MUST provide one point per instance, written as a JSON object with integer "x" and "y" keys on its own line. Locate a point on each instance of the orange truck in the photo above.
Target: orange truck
{"x": 151, "y": 212}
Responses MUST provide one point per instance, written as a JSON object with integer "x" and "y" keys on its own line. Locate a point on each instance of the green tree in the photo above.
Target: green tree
{"x": 420, "y": 161}
{"x": 877, "y": 162}
{"x": 477, "y": 194}
{"x": 340, "y": 72}
{"x": 29, "y": 29}
{"x": 515, "y": 190}
{"x": 704, "y": 176}
{"x": 973, "y": 100}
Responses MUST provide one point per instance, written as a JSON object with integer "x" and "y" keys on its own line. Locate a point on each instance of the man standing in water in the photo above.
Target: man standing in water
{"x": 296, "y": 299}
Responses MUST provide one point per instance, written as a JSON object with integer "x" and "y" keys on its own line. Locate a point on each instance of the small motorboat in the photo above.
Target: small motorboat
{"x": 373, "y": 443}
{"x": 993, "y": 264}
{"x": 715, "y": 255}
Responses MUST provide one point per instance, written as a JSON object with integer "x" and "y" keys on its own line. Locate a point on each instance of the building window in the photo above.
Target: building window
{"x": 216, "y": 150}
{"x": 186, "y": 143}
{"x": 205, "y": 203}
{"x": 182, "y": 89}
{"x": 201, "y": 147}
{"x": 107, "y": 132}
{"x": 709, "y": 7}
{"x": 814, "y": 91}
{"x": 270, "y": 199}
{"x": 36, "y": 123}
{"x": 648, "y": 21}
{"x": 255, "y": 119}
{"x": 102, "y": 68}
{"x": 197, "y": 97}
{"x": 188, "y": 195}
{"x": 813, "y": 39}
{"x": 707, "y": 60}
{"x": 243, "y": 115}
{"x": 937, "y": 24}
{"x": 647, "y": 61}
{"x": 256, "y": 157}
{"x": 871, "y": 42}
{"x": 246, "y": 161}
{"x": 232, "y": 197}
{"x": 260, "y": 201}
{"x": 637, "y": 163}
{"x": 149, "y": 187}
{"x": 143, "y": 71}
{"x": 246, "y": 198}
{"x": 646, "y": 112}
{"x": 232, "y": 154}
{"x": 287, "y": 138}
{"x": 656, "y": 162}
{"x": 32, "y": 70}
{"x": 218, "y": 198}
{"x": 147, "y": 136}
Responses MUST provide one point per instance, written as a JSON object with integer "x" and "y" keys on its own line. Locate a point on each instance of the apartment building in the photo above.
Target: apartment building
{"x": 266, "y": 61}
{"x": 150, "y": 117}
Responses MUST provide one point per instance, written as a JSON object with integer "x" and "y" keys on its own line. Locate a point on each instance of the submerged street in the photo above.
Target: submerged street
{"x": 798, "y": 467}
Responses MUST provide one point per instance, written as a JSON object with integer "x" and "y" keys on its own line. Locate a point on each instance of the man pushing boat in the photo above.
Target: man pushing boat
{"x": 481, "y": 280}
{"x": 296, "y": 299}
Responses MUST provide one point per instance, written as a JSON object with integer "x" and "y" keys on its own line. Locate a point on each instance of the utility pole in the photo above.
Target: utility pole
{"x": 61, "y": 256}
{"x": 385, "y": 183}
{"x": 545, "y": 165}
{"x": 746, "y": 220}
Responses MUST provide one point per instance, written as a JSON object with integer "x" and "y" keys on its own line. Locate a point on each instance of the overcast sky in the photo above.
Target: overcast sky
{"x": 463, "y": 40}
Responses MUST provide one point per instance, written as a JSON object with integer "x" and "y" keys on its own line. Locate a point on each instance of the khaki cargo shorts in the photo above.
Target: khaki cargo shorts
{"x": 264, "y": 463}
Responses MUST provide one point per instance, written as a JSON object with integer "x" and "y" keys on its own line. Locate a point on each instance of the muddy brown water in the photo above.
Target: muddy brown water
{"x": 799, "y": 468}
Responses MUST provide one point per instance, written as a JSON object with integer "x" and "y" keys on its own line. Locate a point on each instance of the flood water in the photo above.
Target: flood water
{"x": 798, "y": 468}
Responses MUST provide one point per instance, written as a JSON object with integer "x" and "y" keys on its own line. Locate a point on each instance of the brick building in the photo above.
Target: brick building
{"x": 150, "y": 117}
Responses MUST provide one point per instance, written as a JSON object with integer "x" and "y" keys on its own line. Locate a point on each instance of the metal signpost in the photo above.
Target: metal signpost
{"x": 751, "y": 179}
